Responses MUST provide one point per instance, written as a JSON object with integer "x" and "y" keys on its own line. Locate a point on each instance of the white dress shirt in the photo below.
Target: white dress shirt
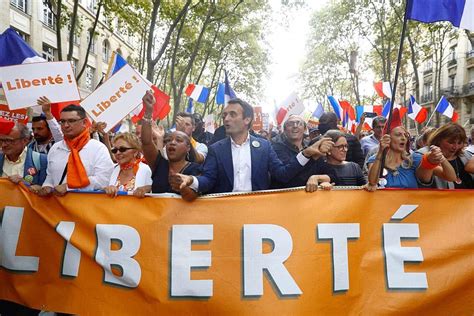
{"x": 242, "y": 162}
{"x": 242, "y": 165}
{"x": 94, "y": 156}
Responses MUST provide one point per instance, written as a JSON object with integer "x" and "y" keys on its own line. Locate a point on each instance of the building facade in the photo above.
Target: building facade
{"x": 456, "y": 80}
{"x": 35, "y": 22}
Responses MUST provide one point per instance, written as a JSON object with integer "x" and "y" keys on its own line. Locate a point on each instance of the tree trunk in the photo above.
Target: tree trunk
{"x": 72, "y": 29}
{"x": 91, "y": 39}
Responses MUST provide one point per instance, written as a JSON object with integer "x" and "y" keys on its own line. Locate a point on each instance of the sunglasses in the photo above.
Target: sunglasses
{"x": 114, "y": 150}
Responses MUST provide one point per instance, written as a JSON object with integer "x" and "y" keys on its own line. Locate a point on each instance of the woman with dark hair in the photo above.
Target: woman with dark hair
{"x": 343, "y": 172}
{"x": 451, "y": 138}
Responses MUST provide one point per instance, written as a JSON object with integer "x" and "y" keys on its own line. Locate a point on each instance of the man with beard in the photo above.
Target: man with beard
{"x": 46, "y": 130}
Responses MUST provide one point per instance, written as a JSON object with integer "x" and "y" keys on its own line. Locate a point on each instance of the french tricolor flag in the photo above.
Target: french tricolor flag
{"x": 336, "y": 106}
{"x": 445, "y": 108}
{"x": 361, "y": 109}
{"x": 14, "y": 51}
{"x": 416, "y": 112}
{"x": 386, "y": 109}
{"x": 383, "y": 89}
{"x": 459, "y": 12}
{"x": 197, "y": 92}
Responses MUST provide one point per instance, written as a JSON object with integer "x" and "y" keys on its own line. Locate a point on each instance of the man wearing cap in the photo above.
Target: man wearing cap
{"x": 77, "y": 162}
{"x": 328, "y": 121}
{"x": 18, "y": 162}
{"x": 46, "y": 130}
{"x": 241, "y": 162}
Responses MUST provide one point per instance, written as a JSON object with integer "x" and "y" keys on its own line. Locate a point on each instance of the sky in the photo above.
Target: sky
{"x": 287, "y": 51}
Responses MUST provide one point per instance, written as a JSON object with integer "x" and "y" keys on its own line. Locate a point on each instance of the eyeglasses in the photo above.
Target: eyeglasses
{"x": 342, "y": 147}
{"x": 69, "y": 121}
{"x": 9, "y": 141}
{"x": 114, "y": 150}
{"x": 294, "y": 124}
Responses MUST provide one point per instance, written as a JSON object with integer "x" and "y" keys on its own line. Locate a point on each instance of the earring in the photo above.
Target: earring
{"x": 187, "y": 156}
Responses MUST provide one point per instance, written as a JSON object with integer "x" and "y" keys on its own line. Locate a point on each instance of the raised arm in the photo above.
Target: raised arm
{"x": 150, "y": 148}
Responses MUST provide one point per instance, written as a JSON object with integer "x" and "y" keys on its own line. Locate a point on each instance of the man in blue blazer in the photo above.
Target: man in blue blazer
{"x": 19, "y": 162}
{"x": 241, "y": 162}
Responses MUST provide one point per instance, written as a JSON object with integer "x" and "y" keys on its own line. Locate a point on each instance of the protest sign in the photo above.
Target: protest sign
{"x": 265, "y": 121}
{"x": 291, "y": 106}
{"x": 257, "y": 121}
{"x": 13, "y": 115}
{"x": 116, "y": 97}
{"x": 209, "y": 123}
{"x": 24, "y": 84}
{"x": 403, "y": 252}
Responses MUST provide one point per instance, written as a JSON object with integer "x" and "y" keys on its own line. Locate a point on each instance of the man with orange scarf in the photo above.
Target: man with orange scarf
{"x": 77, "y": 162}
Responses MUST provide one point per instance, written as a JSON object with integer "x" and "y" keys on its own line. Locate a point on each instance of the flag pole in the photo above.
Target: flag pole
{"x": 395, "y": 82}
{"x": 432, "y": 114}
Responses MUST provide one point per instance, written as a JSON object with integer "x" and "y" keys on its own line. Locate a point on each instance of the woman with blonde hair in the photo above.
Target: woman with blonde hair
{"x": 130, "y": 174}
{"x": 401, "y": 169}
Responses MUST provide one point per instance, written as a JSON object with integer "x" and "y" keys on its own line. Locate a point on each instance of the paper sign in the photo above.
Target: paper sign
{"x": 117, "y": 97}
{"x": 257, "y": 122}
{"x": 293, "y": 106}
{"x": 24, "y": 84}
{"x": 13, "y": 115}
{"x": 265, "y": 121}
{"x": 209, "y": 124}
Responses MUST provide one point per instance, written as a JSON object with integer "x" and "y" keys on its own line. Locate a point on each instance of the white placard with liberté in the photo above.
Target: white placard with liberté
{"x": 24, "y": 84}
{"x": 116, "y": 97}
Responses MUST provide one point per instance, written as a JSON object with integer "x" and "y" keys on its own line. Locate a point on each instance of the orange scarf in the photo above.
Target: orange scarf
{"x": 131, "y": 165}
{"x": 76, "y": 173}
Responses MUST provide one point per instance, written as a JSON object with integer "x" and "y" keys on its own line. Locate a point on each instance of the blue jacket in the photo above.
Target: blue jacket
{"x": 218, "y": 169}
{"x": 39, "y": 163}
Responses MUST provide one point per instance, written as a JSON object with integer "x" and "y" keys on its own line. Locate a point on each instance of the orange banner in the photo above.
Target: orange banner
{"x": 325, "y": 253}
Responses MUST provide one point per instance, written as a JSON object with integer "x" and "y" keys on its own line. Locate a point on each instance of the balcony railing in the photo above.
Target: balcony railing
{"x": 452, "y": 62}
{"x": 468, "y": 89}
{"x": 470, "y": 54}
{"x": 451, "y": 91}
{"x": 427, "y": 71}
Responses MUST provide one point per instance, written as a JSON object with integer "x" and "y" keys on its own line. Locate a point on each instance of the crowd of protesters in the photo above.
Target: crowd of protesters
{"x": 73, "y": 154}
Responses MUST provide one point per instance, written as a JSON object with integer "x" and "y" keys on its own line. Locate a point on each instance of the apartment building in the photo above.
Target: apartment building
{"x": 35, "y": 22}
{"x": 457, "y": 80}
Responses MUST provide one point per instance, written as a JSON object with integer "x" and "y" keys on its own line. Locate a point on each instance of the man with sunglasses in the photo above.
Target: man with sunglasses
{"x": 77, "y": 162}
{"x": 18, "y": 162}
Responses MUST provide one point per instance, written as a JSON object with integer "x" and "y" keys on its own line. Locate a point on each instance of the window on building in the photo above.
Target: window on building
{"x": 23, "y": 35}
{"x": 105, "y": 50}
{"x": 427, "y": 92}
{"x": 48, "y": 16}
{"x": 90, "y": 4}
{"x": 74, "y": 63}
{"x": 452, "y": 80}
{"x": 429, "y": 65}
{"x": 20, "y": 4}
{"x": 452, "y": 53}
{"x": 48, "y": 52}
{"x": 93, "y": 41}
{"x": 471, "y": 75}
{"x": 90, "y": 73}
